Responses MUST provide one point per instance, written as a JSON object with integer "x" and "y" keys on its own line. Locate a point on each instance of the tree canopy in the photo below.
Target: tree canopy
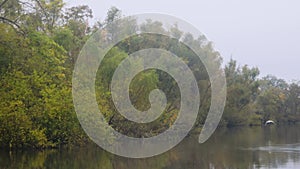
{"x": 40, "y": 41}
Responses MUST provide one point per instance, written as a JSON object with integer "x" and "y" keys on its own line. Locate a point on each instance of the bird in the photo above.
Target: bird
{"x": 269, "y": 122}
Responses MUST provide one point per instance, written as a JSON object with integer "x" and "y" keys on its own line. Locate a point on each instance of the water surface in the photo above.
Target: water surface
{"x": 234, "y": 148}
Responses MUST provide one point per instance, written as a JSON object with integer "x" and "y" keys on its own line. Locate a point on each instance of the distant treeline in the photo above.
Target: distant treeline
{"x": 40, "y": 41}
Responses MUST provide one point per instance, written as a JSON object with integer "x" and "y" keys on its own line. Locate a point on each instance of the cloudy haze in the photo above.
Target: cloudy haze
{"x": 262, "y": 33}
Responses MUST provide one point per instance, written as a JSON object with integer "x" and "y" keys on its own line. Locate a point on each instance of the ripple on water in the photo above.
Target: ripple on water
{"x": 284, "y": 148}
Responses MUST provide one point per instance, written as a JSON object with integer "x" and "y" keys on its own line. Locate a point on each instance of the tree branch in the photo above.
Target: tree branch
{"x": 43, "y": 9}
{"x": 3, "y": 3}
{"x": 12, "y": 23}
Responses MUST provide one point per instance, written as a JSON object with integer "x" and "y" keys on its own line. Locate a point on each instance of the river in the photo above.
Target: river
{"x": 233, "y": 148}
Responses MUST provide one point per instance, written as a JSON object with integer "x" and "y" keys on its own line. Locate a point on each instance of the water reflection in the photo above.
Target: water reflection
{"x": 267, "y": 147}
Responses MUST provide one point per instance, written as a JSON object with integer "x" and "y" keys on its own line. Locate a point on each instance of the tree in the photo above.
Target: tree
{"x": 293, "y": 98}
{"x": 242, "y": 91}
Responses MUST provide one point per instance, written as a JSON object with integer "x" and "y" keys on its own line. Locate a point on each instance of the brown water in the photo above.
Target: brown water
{"x": 235, "y": 148}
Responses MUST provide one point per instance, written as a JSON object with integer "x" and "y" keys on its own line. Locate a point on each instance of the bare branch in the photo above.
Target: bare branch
{"x": 41, "y": 6}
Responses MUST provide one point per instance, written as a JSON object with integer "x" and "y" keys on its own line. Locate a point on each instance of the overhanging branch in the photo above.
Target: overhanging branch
{"x": 12, "y": 23}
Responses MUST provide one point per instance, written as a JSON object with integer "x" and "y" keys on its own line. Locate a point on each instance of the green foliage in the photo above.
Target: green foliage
{"x": 253, "y": 101}
{"x": 242, "y": 90}
{"x": 39, "y": 44}
{"x": 36, "y": 104}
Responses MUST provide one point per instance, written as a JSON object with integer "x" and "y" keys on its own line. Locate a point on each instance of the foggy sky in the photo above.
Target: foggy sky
{"x": 262, "y": 33}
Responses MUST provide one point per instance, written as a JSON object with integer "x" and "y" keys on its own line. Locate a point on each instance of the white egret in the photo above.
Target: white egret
{"x": 269, "y": 122}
